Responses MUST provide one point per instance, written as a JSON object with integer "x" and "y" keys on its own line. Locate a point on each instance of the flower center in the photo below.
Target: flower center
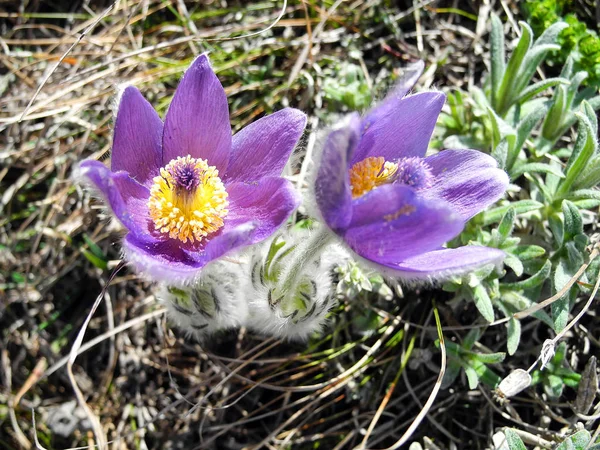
{"x": 415, "y": 172}
{"x": 188, "y": 200}
{"x": 374, "y": 171}
{"x": 369, "y": 173}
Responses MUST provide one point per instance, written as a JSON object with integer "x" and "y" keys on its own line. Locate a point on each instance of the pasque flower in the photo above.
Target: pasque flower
{"x": 393, "y": 206}
{"x": 186, "y": 190}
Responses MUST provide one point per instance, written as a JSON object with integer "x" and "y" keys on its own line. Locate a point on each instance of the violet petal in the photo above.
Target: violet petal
{"x": 399, "y": 128}
{"x": 263, "y": 148}
{"x": 168, "y": 261}
{"x": 468, "y": 179}
{"x": 127, "y": 198}
{"x": 137, "y": 139}
{"x": 410, "y": 75}
{"x": 332, "y": 184}
{"x": 392, "y": 223}
{"x": 266, "y": 203}
{"x": 440, "y": 264}
{"x": 197, "y": 122}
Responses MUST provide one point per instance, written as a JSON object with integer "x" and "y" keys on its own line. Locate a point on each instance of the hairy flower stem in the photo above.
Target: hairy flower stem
{"x": 306, "y": 254}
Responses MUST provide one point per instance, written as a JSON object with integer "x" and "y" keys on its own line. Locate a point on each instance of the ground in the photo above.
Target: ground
{"x": 61, "y": 66}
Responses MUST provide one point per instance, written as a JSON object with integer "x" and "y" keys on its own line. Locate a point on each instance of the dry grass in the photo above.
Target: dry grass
{"x": 148, "y": 386}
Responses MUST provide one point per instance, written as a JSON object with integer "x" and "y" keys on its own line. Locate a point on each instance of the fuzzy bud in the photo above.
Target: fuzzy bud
{"x": 214, "y": 302}
{"x": 298, "y": 311}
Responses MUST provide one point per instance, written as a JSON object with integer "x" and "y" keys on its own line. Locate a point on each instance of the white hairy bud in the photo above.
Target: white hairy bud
{"x": 293, "y": 312}
{"x": 215, "y": 301}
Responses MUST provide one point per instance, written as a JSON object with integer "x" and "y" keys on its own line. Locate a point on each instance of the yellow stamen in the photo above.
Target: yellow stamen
{"x": 188, "y": 211}
{"x": 370, "y": 173}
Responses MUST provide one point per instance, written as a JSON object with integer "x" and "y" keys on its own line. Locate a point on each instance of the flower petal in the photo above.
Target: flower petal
{"x": 392, "y": 223}
{"x": 400, "y": 127}
{"x": 332, "y": 184}
{"x": 197, "y": 122}
{"x": 137, "y": 139}
{"x": 410, "y": 75}
{"x": 126, "y": 197}
{"x": 169, "y": 261}
{"x": 468, "y": 179}
{"x": 441, "y": 264}
{"x": 266, "y": 203}
{"x": 263, "y": 148}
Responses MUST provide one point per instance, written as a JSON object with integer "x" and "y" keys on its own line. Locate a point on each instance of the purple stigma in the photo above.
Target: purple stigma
{"x": 414, "y": 172}
{"x": 186, "y": 175}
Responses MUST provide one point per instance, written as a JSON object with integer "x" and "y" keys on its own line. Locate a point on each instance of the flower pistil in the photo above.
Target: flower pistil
{"x": 188, "y": 200}
{"x": 375, "y": 171}
{"x": 370, "y": 173}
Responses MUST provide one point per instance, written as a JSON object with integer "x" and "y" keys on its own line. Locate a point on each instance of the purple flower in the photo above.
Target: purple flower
{"x": 186, "y": 190}
{"x": 392, "y": 205}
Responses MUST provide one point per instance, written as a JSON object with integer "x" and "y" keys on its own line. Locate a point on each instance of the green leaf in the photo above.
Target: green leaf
{"x": 526, "y": 125}
{"x": 507, "y": 223}
{"x": 471, "y": 338}
{"x": 17, "y": 277}
{"x": 514, "y": 263}
{"x": 486, "y": 375}
{"x": 547, "y": 194}
{"x": 586, "y": 204}
{"x": 560, "y": 354}
{"x": 98, "y": 262}
{"x": 513, "y": 328}
{"x": 591, "y": 174}
{"x": 488, "y": 358}
{"x": 554, "y": 387}
{"x": 550, "y": 36}
{"x": 472, "y": 377}
{"x": 535, "y": 167}
{"x": 527, "y": 252}
{"x": 513, "y": 440}
{"x": 567, "y": 69}
{"x": 585, "y": 194}
{"x": 452, "y": 372}
{"x": 498, "y": 57}
{"x": 585, "y": 147}
{"x": 551, "y": 129}
{"x": 577, "y": 441}
{"x": 94, "y": 248}
{"x": 483, "y": 302}
{"x": 539, "y": 87}
{"x": 535, "y": 280}
{"x": 506, "y": 90}
{"x": 500, "y": 153}
{"x": 557, "y": 227}
{"x": 576, "y": 256}
{"x": 576, "y": 81}
{"x": 532, "y": 60}
{"x": 545, "y": 43}
{"x": 521, "y": 207}
{"x": 590, "y": 113}
{"x": 501, "y": 130}
{"x": 573, "y": 220}
{"x": 560, "y": 308}
{"x": 552, "y": 181}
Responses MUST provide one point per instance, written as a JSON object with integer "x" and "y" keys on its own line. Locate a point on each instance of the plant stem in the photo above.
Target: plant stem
{"x": 306, "y": 254}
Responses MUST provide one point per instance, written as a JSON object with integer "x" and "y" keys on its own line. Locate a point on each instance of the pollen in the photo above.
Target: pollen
{"x": 188, "y": 200}
{"x": 369, "y": 173}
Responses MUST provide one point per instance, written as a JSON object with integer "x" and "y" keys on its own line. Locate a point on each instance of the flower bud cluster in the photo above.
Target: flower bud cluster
{"x": 251, "y": 293}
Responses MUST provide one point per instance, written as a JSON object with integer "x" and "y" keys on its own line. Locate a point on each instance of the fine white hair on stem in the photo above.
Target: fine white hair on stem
{"x": 291, "y": 312}
{"x": 214, "y": 301}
